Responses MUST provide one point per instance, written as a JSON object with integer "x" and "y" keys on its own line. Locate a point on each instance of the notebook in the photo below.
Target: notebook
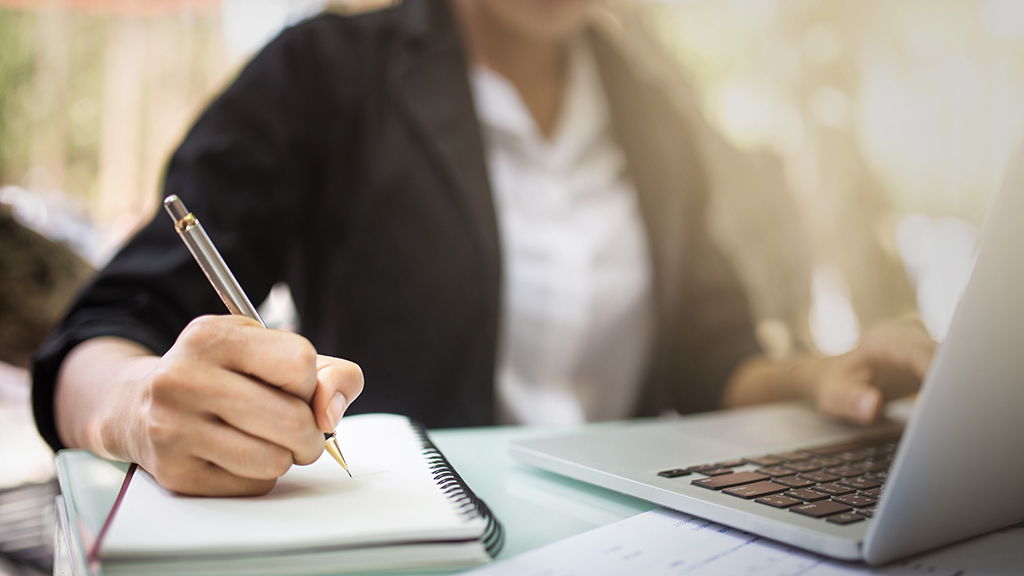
{"x": 405, "y": 507}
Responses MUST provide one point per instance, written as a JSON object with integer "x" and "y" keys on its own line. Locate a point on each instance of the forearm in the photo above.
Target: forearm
{"x": 99, "y": 388}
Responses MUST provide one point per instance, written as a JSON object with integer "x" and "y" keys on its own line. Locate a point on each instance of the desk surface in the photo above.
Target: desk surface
{"x": 536, "y": 507}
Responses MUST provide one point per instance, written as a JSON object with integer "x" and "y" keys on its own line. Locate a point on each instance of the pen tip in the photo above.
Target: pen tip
{"x": 332, "y": 447}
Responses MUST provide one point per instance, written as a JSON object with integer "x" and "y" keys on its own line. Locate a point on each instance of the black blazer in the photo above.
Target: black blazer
{"x": 347, "y": 160}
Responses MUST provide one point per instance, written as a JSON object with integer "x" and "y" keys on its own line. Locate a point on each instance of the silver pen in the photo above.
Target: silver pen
{"x": 224, "y": 282}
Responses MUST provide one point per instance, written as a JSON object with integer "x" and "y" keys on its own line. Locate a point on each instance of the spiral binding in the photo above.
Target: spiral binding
{"x": 466, "y": 502}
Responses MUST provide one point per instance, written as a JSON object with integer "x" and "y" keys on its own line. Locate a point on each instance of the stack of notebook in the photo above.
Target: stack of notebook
{"x": 405, "y": 507}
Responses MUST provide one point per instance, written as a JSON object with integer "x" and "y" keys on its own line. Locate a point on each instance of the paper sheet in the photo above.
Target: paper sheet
{"x": 665, "y": 542}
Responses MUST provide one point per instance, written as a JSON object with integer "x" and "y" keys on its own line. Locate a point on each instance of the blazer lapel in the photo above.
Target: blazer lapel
{"x": 427, "y": 76}
{"x": 657, "y": 166}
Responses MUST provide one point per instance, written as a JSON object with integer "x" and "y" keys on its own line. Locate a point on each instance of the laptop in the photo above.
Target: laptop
{"x": 875, "y": 494}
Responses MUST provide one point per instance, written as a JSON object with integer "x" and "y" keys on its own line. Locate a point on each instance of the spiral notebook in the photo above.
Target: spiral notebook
{"x": 405, "y": 507}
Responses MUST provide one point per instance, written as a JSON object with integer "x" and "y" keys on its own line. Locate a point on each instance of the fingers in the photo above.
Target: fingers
{"x": 213, "y": 425}
{"x": 844, "y": 390}
{"x": 201, "y": 478}
{"x": 266, "y": 413}
{"x": 899, "y": 345}
{"x": 898, "y": 354}
{"x": 917, "y": 360}
{"x": 856, "y": 402}
{"x": 281, "y": 359}
{"x": 188, "y": 389}
{"x": 198, "y": 455}
{"x": 241, "y": 455}
{"x": 339, "y": 382}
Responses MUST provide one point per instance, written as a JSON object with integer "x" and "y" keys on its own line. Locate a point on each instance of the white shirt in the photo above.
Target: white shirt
{"x": 576, "y": 321}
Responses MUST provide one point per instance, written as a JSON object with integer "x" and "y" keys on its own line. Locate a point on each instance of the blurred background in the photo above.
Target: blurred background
{"x": 854, "y": 147}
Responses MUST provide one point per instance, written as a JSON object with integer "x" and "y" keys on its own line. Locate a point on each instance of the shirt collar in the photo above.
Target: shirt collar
{"x": 582, "y": 116}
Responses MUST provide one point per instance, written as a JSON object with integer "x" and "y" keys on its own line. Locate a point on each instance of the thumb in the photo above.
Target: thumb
{"x": 338, "y": 383}
{"x": 850, "y": 398}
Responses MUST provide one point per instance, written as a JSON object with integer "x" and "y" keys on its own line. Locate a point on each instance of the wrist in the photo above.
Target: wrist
{"x": 121, "y": 427}
{"x": 98, "y": 396}
{"x": 803, "y": 375}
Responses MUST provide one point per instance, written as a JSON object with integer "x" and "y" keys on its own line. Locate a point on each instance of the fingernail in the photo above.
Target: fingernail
{"x": 867, "y": 406}
{"x": 336, "y": 408}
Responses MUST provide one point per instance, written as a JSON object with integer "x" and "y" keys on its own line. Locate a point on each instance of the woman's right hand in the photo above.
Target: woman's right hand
{"x": 226, "y": 411}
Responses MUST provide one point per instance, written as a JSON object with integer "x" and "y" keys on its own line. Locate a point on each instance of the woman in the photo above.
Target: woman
{"x": 479, "y": 204}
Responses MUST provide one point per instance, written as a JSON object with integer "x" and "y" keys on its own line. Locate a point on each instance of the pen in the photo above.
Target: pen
{"x": 217, "y": 271}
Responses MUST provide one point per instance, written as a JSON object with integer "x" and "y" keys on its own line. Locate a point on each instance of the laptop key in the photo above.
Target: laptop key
{"x": 869, "y": 512}
{"x": 807, "y": 495}
{"x": 775, "y": 471}
{"x": 845, "y": 518}
{"x": 696, "y": 467}
{"x": 855, "y": 500}
{"x": 833, "y": 489}
{"x": 731, "y": 463}
{"x": 793, "y": 456}
{"x": 861, "y": 483}
{"x": 870, "y": 466}
{"x": 825, "y": 461}
{"x": 702, "y": 467}
{"x": 674, "y": 473}
{"x": 729, "y": 480}
{"x": 713, "y": 471}
{"x": 766, "y": 460}
{"x": 875, "y": 493}
{"x": 834, "y": 449}
{"x": 844, "y": 471}
{"x": 778, "y": 501}
{"x": 820, "y": 476}
{"x": 803, "y": 466}
{"x": 820, "y": 509}
{"x": 755, "y": 490}
{"x": 851, "y": 456}
{"x": 794, "y": 481}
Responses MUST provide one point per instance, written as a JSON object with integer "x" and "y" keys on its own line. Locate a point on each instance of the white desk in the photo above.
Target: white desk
{"x": 536, "y": 508}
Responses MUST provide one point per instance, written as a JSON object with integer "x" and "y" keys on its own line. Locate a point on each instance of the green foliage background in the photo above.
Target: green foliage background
{"x": 17, "y": 61}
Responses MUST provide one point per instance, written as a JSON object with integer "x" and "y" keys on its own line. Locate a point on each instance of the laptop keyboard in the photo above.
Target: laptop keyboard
{"x": 838, "y": 483}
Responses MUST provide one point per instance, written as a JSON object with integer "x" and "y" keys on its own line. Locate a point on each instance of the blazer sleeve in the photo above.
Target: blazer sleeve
{"x": 244, "y": 169}
{"x": 705, "y": 330}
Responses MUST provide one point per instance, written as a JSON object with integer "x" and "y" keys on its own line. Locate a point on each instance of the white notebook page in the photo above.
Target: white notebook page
{"x": 393, "y": 497}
